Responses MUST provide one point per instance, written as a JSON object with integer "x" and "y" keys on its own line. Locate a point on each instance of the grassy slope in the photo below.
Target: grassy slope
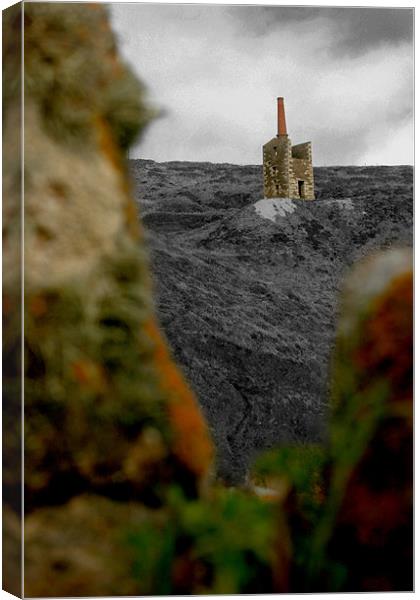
{"x": 249, "y": 305}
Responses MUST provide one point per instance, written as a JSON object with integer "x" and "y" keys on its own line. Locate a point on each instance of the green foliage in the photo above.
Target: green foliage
{"x": 223, "y": 544}
{"x": 355, "y": 420}
{"x": 298, "y": 469}
{"x": 152, "y": 548}
{"x": 300, "y": 466}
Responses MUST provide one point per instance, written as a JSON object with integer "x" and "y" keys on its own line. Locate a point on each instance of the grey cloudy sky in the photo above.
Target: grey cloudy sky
{"x": 215, "y": 72}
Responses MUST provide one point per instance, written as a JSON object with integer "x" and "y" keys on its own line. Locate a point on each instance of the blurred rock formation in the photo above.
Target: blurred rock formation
{"x": 371, "y": 480}
{"x": 106, "y": 409}
{"x": 359, "y": 533}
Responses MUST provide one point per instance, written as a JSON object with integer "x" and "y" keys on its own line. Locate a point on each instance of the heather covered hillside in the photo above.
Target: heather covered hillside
{"x": 247, "y": 290}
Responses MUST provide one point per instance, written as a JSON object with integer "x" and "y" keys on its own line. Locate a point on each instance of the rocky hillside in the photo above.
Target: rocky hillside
{"x": 247, "y": 289}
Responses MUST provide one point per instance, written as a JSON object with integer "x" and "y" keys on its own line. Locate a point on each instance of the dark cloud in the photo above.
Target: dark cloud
{"x": 366, "y": 28}
{"x": 356, "y": 30}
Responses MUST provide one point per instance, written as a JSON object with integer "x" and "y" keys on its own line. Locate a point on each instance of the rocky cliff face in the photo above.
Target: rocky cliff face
{"x": 247, "y": 288}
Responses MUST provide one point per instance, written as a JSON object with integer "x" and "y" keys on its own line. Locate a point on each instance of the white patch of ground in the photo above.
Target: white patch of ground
{"x": 270, "y": 208}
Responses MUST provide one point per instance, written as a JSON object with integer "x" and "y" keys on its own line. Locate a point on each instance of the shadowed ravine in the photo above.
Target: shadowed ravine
{"x": 249, "y": 304}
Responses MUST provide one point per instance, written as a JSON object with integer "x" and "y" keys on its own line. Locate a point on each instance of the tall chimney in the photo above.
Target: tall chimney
{"x": 281, "y": 117}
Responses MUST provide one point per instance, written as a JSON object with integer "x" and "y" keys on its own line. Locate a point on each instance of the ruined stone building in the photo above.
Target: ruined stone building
{"x": 288, "y": 171}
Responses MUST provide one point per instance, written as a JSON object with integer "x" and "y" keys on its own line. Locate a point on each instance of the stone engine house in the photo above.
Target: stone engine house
{"x": 288, "y": 171}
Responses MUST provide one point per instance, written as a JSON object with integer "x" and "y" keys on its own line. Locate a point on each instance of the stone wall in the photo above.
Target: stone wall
{"x": 284, "y": 166}
{"x": 277, "y": 159}
{"x": 303, "y": 170}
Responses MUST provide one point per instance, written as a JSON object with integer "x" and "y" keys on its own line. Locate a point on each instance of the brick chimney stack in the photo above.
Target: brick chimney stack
{"x": 281, "y": 118}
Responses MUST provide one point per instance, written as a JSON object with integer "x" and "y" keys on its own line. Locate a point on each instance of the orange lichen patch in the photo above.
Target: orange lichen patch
{"x": 112, "y": 152}
{"x": 387, "y": 346}
{"x": 84, "y": 34}
{"x": 191, "y": 444}
{"x": 89, "y": 374}
{"x": 116, "y": 66}
{"x": 107, "y": 143}
{"x": 132, "y": 220}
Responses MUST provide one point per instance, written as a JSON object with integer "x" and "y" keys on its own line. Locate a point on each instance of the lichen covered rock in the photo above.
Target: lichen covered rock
{"x": 79, "y": 548}
{"x": 363, "y": 538}
{"x": 97, "y": 416}
{"x": 372, "y": 427}
{"x": 101, "y": 414}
